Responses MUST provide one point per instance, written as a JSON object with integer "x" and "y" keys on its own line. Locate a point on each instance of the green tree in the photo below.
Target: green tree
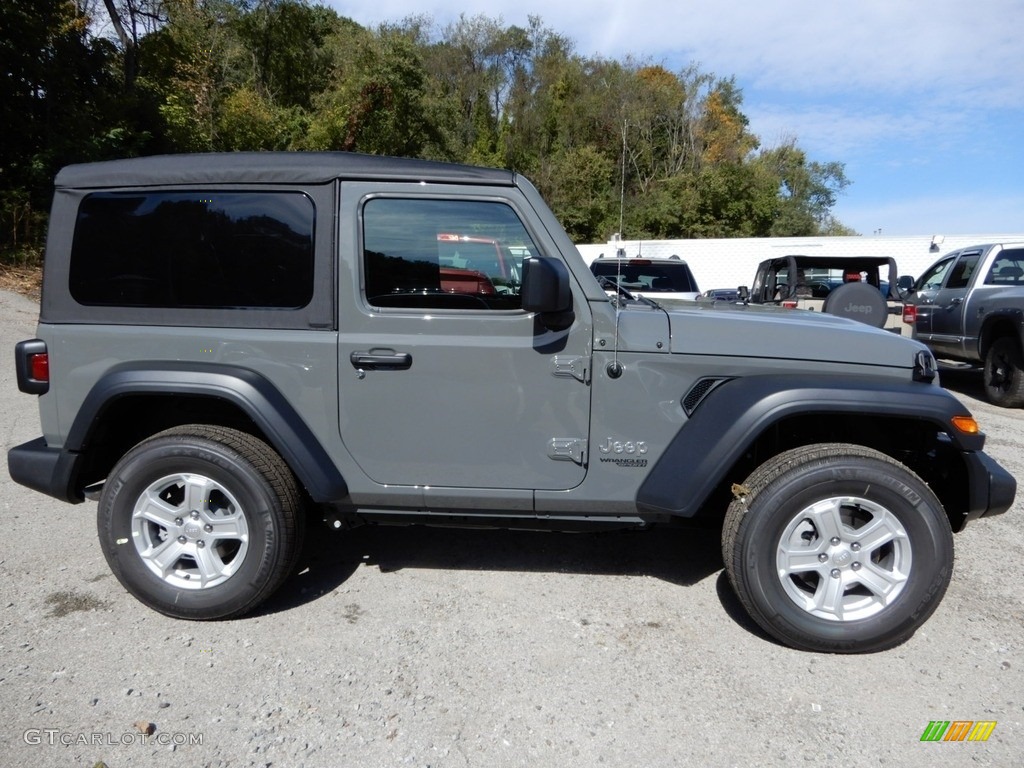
{"x": 375, "y": 102}
{"x": 584, "y": 177}
{"x": 130, "y": 21}
{"x": 806, "y": 190}
{"x": 459, "y": 80}
{"x": 613, "y": 145}
{"x": 287, "y": 42}
{"x": 248, "y": 121}
{"x": 188, "y": 66}
{"x": 58, "y": 104}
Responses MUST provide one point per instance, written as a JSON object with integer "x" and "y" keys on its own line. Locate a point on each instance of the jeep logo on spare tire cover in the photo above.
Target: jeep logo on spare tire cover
{"x": 858, "y": 301}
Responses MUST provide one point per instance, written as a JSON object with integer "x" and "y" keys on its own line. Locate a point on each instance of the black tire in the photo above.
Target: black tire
{"x": 864, "y": 575}
{"x": 1004, "y": 373}
{"x": 201, "y": 522}
{"x": 862, "y": 302}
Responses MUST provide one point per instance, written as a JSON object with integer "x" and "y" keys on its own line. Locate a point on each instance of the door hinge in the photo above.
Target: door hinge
{"x": 572, "y": 449}
{"x": 575, "y": 367}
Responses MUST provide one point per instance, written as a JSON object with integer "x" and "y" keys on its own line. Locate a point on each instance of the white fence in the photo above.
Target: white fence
{"x": 728, "y": 263}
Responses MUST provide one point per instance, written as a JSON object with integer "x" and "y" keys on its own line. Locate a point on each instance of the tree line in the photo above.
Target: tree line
{"x": 614, "y": 146}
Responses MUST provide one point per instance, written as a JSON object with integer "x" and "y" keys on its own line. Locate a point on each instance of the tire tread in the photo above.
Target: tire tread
{"x": 1013, "y": 395}
{"x": 282, "y": 484}
{"x": 737, "y": 519}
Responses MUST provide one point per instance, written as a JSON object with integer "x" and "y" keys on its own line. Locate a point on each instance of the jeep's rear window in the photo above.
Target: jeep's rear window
{"x": 209, "y": 249}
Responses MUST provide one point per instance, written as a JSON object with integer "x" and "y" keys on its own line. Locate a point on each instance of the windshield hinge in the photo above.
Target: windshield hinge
{"x": 572, "y": 449}
{"x": 575, "y": 367}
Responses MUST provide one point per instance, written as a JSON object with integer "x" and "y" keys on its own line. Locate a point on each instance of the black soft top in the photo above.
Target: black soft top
{"x": 270, "y": 168}
{"x": 835, "y": 262}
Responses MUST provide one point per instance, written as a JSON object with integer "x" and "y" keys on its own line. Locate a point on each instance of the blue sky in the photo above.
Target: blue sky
{"x": 922, "y": 101}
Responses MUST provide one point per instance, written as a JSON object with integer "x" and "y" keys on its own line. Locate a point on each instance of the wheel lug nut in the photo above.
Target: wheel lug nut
{"x": 178, "y": 521}
{"x": 822, "y": 558}
{"x": 834, "y": 541}
{"x": 194, "y": 515}
{"x": 201, "y": 544}
{"x": 182, "y": 539}
{"x": 835, "y": 573}
{"x": 855, "y": 546}
{"x": 856, "y": 565}
{"x": 208, "y": 528}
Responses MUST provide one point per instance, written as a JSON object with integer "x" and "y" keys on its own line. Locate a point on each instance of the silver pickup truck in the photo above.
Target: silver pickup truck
{"x": 969, "y": 307}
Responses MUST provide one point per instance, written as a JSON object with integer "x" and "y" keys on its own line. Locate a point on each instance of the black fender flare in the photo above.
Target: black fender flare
{"x": 1000, "y": 317}
{"x": 735, "y": 413}
{"x": 251, "y": 392}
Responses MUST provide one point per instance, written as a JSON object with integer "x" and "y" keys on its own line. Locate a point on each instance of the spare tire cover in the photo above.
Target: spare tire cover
{"x": 858, "y": 301}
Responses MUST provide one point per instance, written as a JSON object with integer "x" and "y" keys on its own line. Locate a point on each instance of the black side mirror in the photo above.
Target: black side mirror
{"x": 904, "y": 285}
{"x": 744, "y": 293}
{"x": 546, "y": 291}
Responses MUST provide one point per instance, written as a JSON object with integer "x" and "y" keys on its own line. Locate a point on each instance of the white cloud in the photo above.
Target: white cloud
{"x": 890, "y": 134}
{"x": 833, "y": 131}
{"x": 920, "y": 100}
{"x": 943, "y": 47}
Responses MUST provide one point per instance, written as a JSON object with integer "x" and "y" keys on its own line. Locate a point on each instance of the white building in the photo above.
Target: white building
{"x": 728, "y": 263}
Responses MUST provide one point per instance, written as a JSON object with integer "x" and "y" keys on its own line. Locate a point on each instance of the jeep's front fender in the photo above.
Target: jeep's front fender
{"x": 252, "y": 393}
{"x": 729, "y": 419}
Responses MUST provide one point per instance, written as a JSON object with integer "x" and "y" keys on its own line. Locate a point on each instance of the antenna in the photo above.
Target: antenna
{"x": 622, "y": 178}
{"x": 615, "y": 367}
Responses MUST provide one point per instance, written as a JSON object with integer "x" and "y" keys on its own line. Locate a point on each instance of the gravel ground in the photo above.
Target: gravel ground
{"x": 481, "y": 648}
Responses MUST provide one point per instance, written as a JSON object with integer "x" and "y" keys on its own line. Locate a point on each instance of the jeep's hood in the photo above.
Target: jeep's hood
{"x": 737, "y": 330}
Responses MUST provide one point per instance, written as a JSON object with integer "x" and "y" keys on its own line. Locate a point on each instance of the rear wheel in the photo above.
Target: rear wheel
{"x": 837, "y": 548}
{"x": 1004, "y": 373}
{"x": 201, "y": 522}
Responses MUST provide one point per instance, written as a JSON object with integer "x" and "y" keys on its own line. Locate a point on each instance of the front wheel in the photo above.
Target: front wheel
{"x": 1004, "y": 373}
{"x": 837, "y": 548}
{"x": 201, "y": 522}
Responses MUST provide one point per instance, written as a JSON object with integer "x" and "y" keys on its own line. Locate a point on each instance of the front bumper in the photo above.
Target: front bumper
{"x": 48, "y": 470}
{"x": 992, "y": 489}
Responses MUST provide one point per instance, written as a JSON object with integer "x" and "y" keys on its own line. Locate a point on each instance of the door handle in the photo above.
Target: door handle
{"x": 381, "y": 360}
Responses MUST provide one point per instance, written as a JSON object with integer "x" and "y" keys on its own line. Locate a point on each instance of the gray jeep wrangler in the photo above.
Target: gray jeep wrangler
{"x": 231, "y": 343}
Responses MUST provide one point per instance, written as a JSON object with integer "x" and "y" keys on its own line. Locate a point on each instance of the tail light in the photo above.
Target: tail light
{"x": 32, "y": 364}
{"x": 39, "y": 367}
{"x": 909, "y": 313}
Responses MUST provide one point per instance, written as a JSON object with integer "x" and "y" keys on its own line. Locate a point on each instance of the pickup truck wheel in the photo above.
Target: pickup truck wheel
{"x": 837, "y": 548}
{"x": 1004, "y": 373}
{"x": 201, "y": 522}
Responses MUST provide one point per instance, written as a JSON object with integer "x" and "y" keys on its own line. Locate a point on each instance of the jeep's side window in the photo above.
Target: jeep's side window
{"x": 201, "y": 249}
{"x": 443, "y": 254}
{"x": 1007, "y": 269}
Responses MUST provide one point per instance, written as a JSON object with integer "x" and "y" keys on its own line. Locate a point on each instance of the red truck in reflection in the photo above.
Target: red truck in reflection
{"x": 477, "y": 265}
